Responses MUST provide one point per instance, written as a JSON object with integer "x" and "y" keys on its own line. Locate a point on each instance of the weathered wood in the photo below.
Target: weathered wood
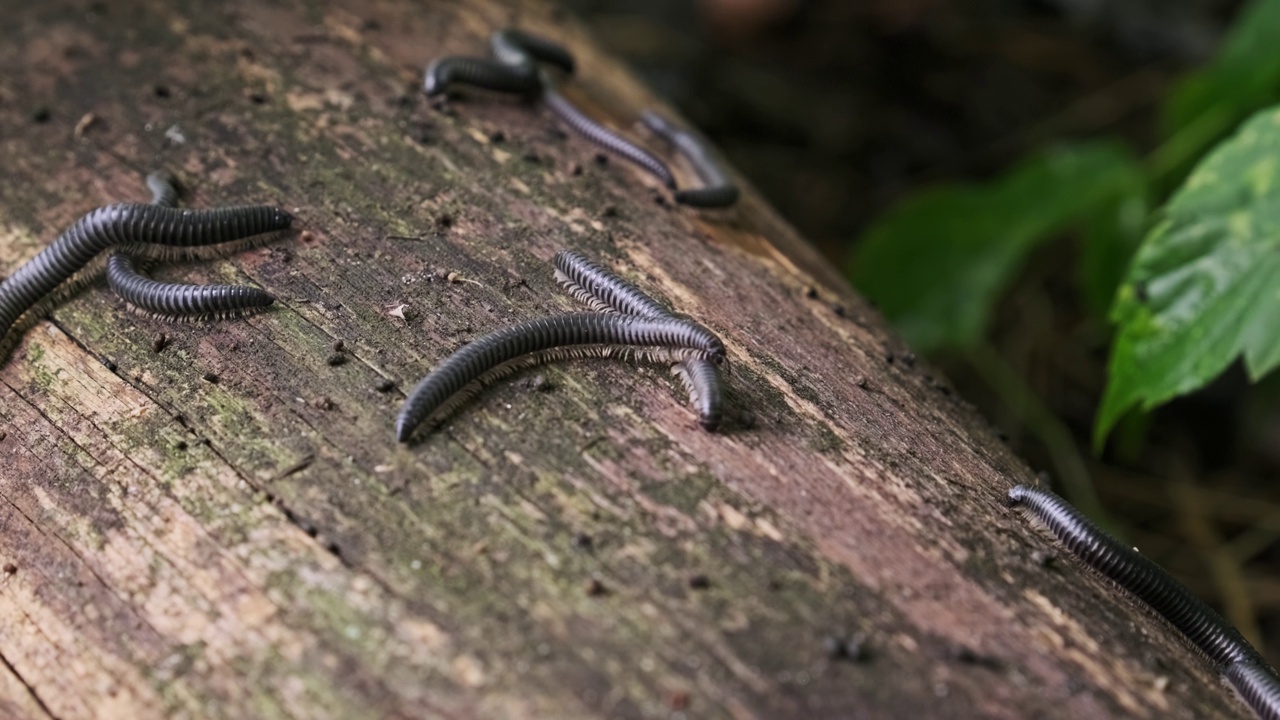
{"x": 259, "y": 546}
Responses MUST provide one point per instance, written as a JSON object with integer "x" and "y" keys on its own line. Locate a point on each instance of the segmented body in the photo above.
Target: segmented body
{"x": 589, "y": 281}
{"x": 178, "y": 300}
{"x": 447, "y": 72}
{"x": 516, "y": 71}
{"x": 487, "y": 353}
{"x": 717, "y": 189}
{"x": 1240, "y": 664}
{"x": 1257, "y": 686}
{"x": 133, "y": 227}
{"x": 194, "y": 302}
{"x": 1204, "y": 627}
{"x": 554, "y": 355}
{"x": 701, "y": 380}
{"x": 588, "y": 128}
{"x": 594, "y": 286}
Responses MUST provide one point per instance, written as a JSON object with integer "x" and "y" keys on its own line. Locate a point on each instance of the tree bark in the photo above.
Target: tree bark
{"x": 225, "y": 527}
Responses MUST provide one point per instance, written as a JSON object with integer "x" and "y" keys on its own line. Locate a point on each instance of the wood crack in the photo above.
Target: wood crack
{"x": 35, "y": 696}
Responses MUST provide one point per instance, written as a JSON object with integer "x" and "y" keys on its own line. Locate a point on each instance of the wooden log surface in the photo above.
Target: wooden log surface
{"x": 225, "y": 527}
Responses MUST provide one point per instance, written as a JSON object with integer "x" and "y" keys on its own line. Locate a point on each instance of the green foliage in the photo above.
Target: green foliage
{"x": 1201, "y": 286}
{"x": 1242, "y": 78}
{"x": 1111, "y": 236}
{"x": 1204, "y": 286}
{"x": 938, "y": 262}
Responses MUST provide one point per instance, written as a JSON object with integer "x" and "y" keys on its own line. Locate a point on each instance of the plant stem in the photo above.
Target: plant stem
{"x": 1064, "y": 453}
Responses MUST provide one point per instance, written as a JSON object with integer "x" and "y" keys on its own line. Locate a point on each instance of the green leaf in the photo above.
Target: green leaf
{"x": 1110, "y": 240}
{"x": 938, "y": 262}
{"x": 1244, "y": 76}
{"x": 1204, "y": 286}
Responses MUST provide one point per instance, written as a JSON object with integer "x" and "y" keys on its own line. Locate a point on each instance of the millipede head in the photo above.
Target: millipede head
{"x": 715, "y": 197}
{"x": 1017, "y": 495}
{"x": 443, "y": 73}
{"x": 404, "y": 429}
{"x": 435, "y": 82}
{"x": 281, "y": 219}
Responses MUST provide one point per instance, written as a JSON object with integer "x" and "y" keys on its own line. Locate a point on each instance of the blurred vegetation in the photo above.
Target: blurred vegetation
{"x": 1071, "y": 206}
{"x": 1200, "y": 291}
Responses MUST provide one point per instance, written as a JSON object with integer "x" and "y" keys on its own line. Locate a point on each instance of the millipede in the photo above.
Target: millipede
{"x": 1257, "y": 686}
{"x": 611, "y": 141}
{"x": 447, "y": 72}
{"x": 717, "y": 189}
{"x": 701, "y": 380}
{"x": 136, "y": 228}
{"x": 516, "y": 47}
{"x": 593, "y": 285}
{"x": 178, "y": 300}
{"x": 182, "y": 301}
{"x": 485, "y": 354}
{"x": 597, "y": 288}
{"x": 1241, "y": 665}
{"x": 553, "y": 355}
{"x": 516, "y": 71}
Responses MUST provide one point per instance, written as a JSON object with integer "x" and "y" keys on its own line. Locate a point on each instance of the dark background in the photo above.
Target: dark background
{"x": 835, "y": 110}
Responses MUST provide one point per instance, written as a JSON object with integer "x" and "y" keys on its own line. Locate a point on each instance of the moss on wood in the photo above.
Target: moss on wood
{"x": 259, "y": 546}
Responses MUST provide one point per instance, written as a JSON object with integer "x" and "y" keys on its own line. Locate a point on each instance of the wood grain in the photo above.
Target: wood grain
{"x": 226, "y": 527}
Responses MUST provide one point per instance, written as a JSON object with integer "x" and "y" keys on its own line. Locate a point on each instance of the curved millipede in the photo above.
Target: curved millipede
{"x": 516, "y": 47}
{"x": 163, "y": 193}
{"x": 516, "y": 71}
{"x": 601, "y": 290}
{"x": 701, "y": 380}
{"x": 1257, "y": 686}
{"x": 1204, "y": 627}
{"x": 194, "y": 302}
{"x": 554, "y": 355}
{"x": 592, "y": 284}
{"x": 134, "y": 227}
{"x": 717, "y": 189}
{"x": 446, "y": 72}
{"x": 177, "y": 300}
{"x": 487, "y": 353}
{"x": 580, "y": 123}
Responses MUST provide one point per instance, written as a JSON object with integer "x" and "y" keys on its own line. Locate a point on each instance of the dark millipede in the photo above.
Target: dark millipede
{"x": 601, "y": 290}
{"x": 1232, "y": 655}
{"x": 1204, "y": 627}
{"x": 580, "y": 123}
{"x": 195, "y": 302}
{"x": 554, "y": 355}
{"x": 133, "y": 226}
{"x": 1257, "y": 686}
{"x": 717, "y": 189}
{"x": 482, "y": 73}
{"x": 701, "y": 380}
{"x": 516, "y": 71}
{"x": 516, "y": 47}
{"x": 483, "y": 355}
{"x": 595, "y": 283}
{"x": 163, "y": 193}
{"x": 177, "y": 300}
